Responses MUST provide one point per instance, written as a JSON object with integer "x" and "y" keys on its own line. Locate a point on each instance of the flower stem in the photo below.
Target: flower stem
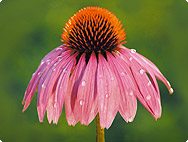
{"x": 99, "y": 130}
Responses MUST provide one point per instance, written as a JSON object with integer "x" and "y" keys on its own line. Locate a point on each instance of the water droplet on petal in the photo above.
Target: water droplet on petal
{"x": 104, "y": 109}
{"x": 112, "y": 78}
{"x": 148, "y": 97}
{"x": 168, "y": 83}
{"x": 122, "y": 74}
{"x": 43, "y": 85}
{"x": 100, "y": 76}
{"x": 149, "y": 83}
{"x": 171, "y": 90}
{"x": 130, "y": 119}
{"x": 133, "y": 51}
{"x": 48, "y": 61}
{"x": 42, "y": 62}
{"x": 131, "y": 93}
{"x": 142, "y": 71}
{"x": 53, "y": 69}
{"x": 55, "y": 63}
{"x": 107, "y": 95}
{"x": 39, "y": 73}
{"x": 83, "y": 83}
{"x": 131, "y": 58}
{"x": 57, "y": 49}
{"x": 64, "y": 70}
{"x": 81, "y": 102}
{"x": 55, "y": 105}
{"x": 103, "y": 67}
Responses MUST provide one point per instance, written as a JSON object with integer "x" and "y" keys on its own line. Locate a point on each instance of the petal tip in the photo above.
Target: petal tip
{"x": 157, "y": 116}
{"x": 130, "y": 119}
{"x": 171, "y": 91}
{"x": 25, "y": 107}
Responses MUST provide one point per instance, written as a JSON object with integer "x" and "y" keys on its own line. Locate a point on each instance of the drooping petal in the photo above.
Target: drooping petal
{"x": 71, "y": 96}
{"x": 54, "y": 107}
{"x": 148, "y": 66}
{"x": 108, "y": 93}
{"x": 47, "y": 83}
{"x": 128, "y": 102}
{"x": 45, "y": 63}
{"x": 148, "y": 94}
{"x": 86, "y": 103}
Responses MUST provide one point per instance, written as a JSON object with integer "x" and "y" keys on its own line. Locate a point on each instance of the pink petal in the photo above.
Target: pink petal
{"x": 71, "y": 96}
{"x": 48, "y": 83}
{"x": 147, "y": 65}
{"x": 128, "y": 102}
{"x": 108, "y": 93}
{"x": 86, "y": 102}
{"x": 62, "y": 87}
{"x": 45, "y": 63}
{"x": 149, "y": 95}
{"x": 55, "y": 103}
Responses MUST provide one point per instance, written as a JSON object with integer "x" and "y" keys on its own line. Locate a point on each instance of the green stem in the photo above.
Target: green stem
{"x": 99, "y": 130}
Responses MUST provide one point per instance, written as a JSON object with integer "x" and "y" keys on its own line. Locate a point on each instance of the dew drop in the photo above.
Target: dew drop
{"x": 100, "y": 76}
{"x": 57, "y": 49}
{"x": 107, "y": 95}
{"x": 83, "y": 83}
{"x": 131, "y": 93}
{"x": 171, "y": 90}
{"x": 54, "y": 69}
{"x": 55, "y": 105}
{"x": 55, "y": 63}
{"x": 149, "y": 83}
{"x": 168, "y": 83}
{"x": 39, "y": 73}
{"x": 148, "y": 97}
{"x": 64, "y": 70}
{"x": 133, "y": 51}
{"x": 103, "y": 67}
{"x": 42, "y": 62}
{"x": 142, "y": 71}
{"x": 130, "y": 119}
{"x": 43, "y": 85}
{"x": 48, "y": 61}
{"x": 122, "y": 74}
{"x": 81, "y": 102}
{"x": 131, "y": 58}
{"x": 112, "y": 78}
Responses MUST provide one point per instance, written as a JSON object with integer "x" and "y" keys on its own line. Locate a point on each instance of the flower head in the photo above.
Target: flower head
{"x": 92, "y": 72}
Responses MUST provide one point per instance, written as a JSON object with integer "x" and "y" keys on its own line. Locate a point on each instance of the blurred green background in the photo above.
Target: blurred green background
{"x": 157, "y": 29}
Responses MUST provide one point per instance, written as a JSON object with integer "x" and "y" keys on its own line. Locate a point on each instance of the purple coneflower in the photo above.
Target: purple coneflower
{"x": 92, "y": 72}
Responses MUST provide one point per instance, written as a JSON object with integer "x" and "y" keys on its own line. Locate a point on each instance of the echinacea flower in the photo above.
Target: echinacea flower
{"x": 92, "y": 72}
